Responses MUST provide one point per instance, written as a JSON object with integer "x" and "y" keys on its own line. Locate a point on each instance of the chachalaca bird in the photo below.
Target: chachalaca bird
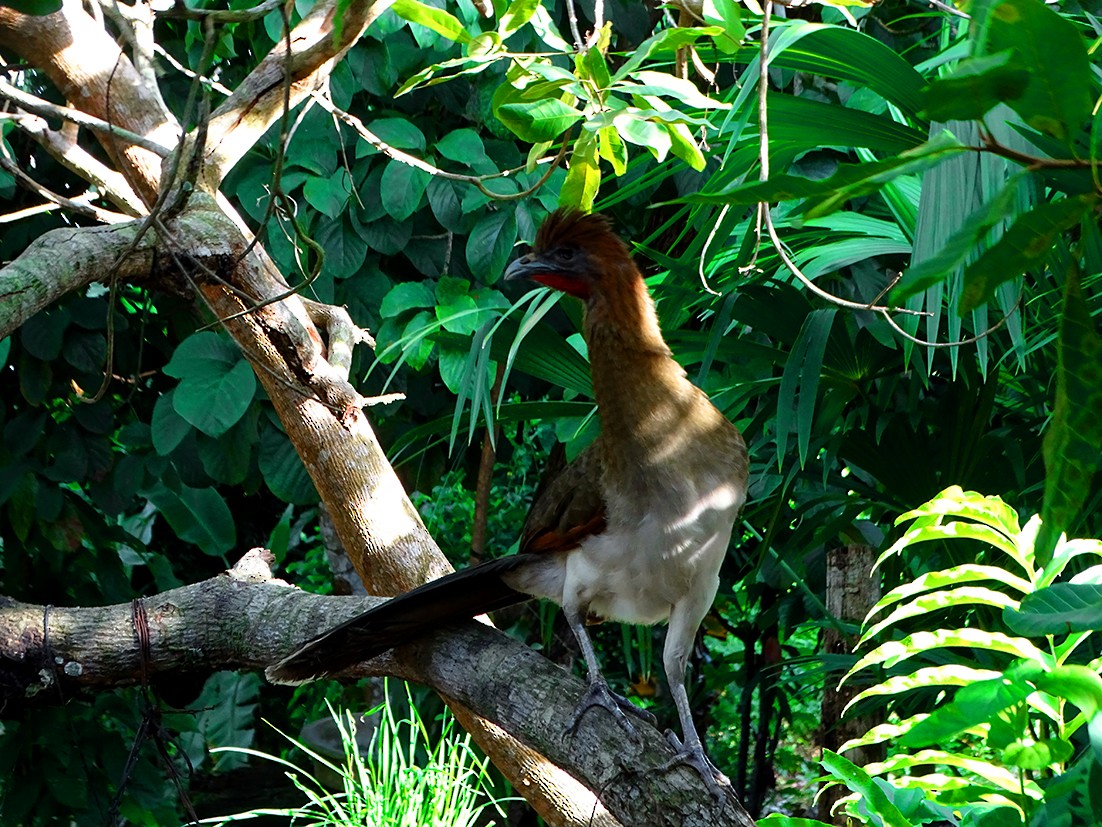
{"x": 633, "y": 530}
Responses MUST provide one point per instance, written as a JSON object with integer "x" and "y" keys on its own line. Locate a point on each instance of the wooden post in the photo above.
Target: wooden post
{"x": 851, "y": 591}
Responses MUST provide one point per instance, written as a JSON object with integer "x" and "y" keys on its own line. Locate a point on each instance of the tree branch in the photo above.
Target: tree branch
{"x": 244, "y": 619}
{"x": 63, "y": 260}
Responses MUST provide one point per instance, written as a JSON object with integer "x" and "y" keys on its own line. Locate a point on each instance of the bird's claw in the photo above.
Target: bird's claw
{"x": 599, "y": 695}
{"x": 693, "y": 755}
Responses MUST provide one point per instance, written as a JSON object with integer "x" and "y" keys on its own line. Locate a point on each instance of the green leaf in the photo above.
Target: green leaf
{"x": 227, "y": 715}
{"x": 464, "y": 146}
{"x": 1073, "y": 439}
{"x": 34, "y": 8}
{"x": 612, "y": 149}
{"x": 953, "y": 674}
{"x": 960, "y": 244}
{"x": 1056, "y": 99}
{"x": 283, "y": 471}
{"x": 398, "y": 132}
{"x": 213, "y": 402}
{"x": 583, "y": 179}
{"x": 635, "y": 128}
{"x": 438, "y": 20}
{"x": 490, "y": 244}
{"x": 1078, "y": 684}
{"x": 975, "y": 704}
{"x": 516, "y": 15}
{"x": 167, "y": 427}
{"x": 1037, "y": 755}
{"x": 975, "y": 87}
{"x": 402, "y": 188}
{"x": 203, "y": 354}
{"x": 541, "y": 120}
{"x": 683, "y": 145}
{"x": 197, "y": 515}
{"x": 866, "y": 788}
{"x": 1057, "y": 610}
{"x": 802, "y": 371}
{"x": 329, "y": 194}
{"x": 408, "y": 295}
{"x": 950, "y": 598}
{"x": 825, "y": 195}
{"x": 662, "y": 84}
{"x": 1025, "y": 245}
{"x": 895, "y": 651}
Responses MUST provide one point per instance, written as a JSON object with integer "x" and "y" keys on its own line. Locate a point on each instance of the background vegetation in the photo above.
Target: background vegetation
{"x": 933, "y": 170}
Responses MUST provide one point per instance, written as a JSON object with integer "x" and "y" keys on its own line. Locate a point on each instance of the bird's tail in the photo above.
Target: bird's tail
{"x": 464, "y": 594}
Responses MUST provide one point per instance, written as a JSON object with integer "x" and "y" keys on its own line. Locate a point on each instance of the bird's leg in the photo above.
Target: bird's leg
{"x": 684, "y": 621}
{"x": 597, "y": 692}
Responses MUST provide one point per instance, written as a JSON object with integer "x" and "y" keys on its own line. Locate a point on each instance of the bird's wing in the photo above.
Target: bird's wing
{"x": 569, "y": 505}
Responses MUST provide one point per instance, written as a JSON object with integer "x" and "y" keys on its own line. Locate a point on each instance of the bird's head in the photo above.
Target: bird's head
{"x": 576, "y": 253}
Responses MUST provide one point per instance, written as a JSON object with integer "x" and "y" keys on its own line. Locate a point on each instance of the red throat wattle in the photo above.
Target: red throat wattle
{"x": 571, "y": 286}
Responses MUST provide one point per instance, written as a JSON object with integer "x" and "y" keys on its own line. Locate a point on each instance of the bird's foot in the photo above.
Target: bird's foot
{"x": 599, "y": 695}
{"x": 692, "y": 754}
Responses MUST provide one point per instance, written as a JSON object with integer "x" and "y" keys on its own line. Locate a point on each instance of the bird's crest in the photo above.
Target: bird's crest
{"x": 590, "y": 231}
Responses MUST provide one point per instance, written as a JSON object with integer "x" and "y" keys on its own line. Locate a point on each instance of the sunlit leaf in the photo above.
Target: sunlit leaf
{"x": 1057, "y": 610}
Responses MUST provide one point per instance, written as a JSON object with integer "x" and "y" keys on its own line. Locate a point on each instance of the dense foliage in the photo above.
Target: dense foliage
{"x": 935, "y": 175}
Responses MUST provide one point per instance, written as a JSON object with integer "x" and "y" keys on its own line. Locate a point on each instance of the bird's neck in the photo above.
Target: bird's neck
{"x": 642, "y": 393}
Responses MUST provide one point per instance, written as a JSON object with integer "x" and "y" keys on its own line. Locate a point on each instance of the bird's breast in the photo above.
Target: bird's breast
{"x": 655, "y": 557}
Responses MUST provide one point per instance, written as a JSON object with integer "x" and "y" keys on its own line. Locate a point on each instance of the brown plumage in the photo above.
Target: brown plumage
{"x": 635, "y": 529}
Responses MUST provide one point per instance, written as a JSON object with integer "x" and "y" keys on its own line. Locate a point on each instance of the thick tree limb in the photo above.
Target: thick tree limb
{"x": 91, "y": 71}
{"x": 64, "y": 260}
{"x": 244, "y": 620}
{"x": 258, "y": 101}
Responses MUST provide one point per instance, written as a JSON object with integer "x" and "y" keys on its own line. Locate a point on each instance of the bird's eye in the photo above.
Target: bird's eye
{"x": 564, "y": 254}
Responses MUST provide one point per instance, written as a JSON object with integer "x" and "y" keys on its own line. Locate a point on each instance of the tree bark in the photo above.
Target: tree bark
{"x": 851, "y": 591}
{"x": 243, "y": 619}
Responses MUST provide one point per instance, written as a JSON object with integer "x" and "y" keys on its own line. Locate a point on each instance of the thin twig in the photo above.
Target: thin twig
{"x": 45, "y": 109}
{"x": 79, "y": 205}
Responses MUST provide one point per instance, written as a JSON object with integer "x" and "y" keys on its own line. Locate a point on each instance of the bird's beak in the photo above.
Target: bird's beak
{"x": 525, "y": 267}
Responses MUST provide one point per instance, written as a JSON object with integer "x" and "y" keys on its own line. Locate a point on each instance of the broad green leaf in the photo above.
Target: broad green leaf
{"x": 490, "y": 244}
{"x": 920, "y": 643}
{"x": 227, "y": 715}
{"x": 847, "y": 54}
{"x": 683, "y": 145}
{"x": 197, "y": 515}
{"x": 516, "y": 15}
{"x": 1000, "y": 777}
{"x": 438, "y": 20}
{"x": 935, "y": 601}
{"x": 1057, "y": 610}
{"x": 802, "y": 123}
{"x": 1078, "y": 684}
{"x": 402, "y": 188}
{"x": 167, "y": 427}
{"x": 953, "y": 674}
{"x": 960, "y": 244}
{"x": 409, "y": 295}
{"x": 541, "y": 120}
{"x": 667, "y": 40}
{"x": 956, "y": 502}
{"x": 596, "y": 67}
{"x": 612, "y": 149}
{"x": 329, "y": 194}
{"x": 203, "y": 354}
{"x": 583, "y": 179}
{"x": 957, "y": 529}
{"x": 800, "y": 383}
{"x": 825, "y": 195}
{"x": 1026, "y": 244}
{"x": 974, "y": 704}
{"x": 345, "y": 249}
{"x": 464, "y": 146}
{"x": 975, "y": 87}
{"x": 882, "y": 733}
{"x": 956, "y": 576}
{"x": 1037, "y": 755}
{"x": 1056, "y": 99}
{"x": 1073, "y": 439}
{"x": 664, "y": 85}
{"x": 399, "y": 133}
{"x": 636, "y": 129}
{"x": 862, "y": 783}
{"x": 214, "y": 402}
{"x": 283, "y": 471}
